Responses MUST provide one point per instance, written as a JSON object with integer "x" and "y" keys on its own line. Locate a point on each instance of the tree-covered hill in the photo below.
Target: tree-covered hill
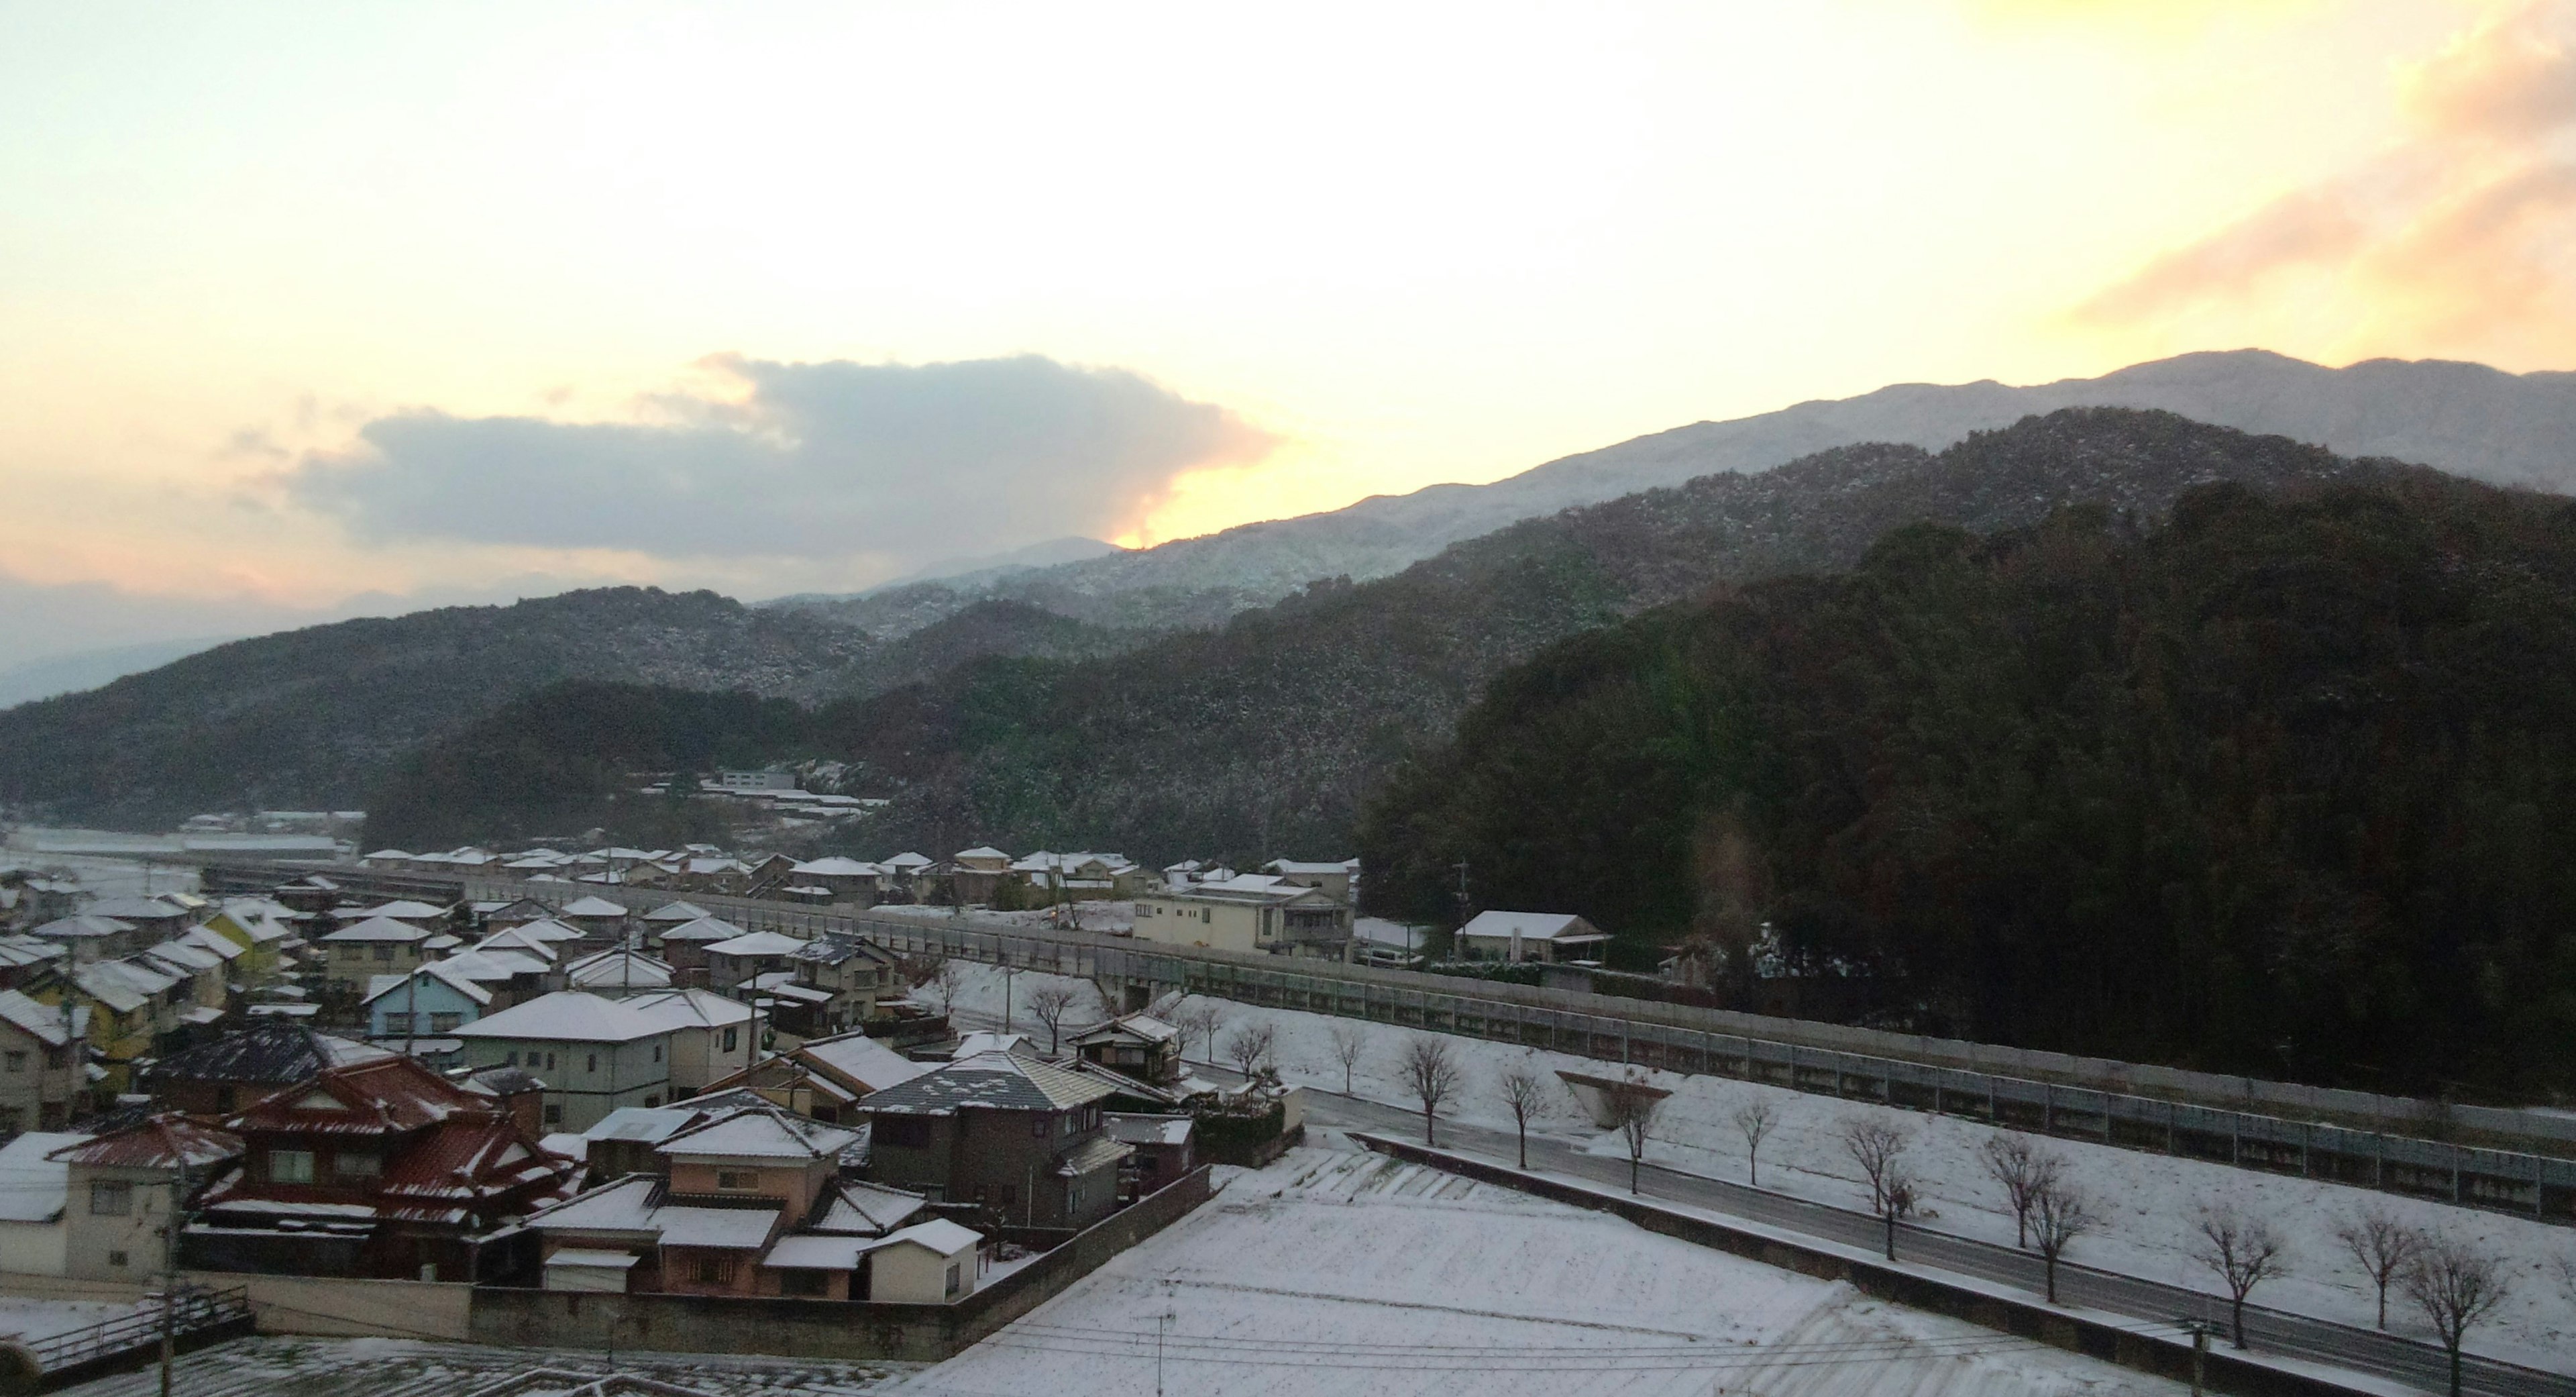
{"x": 1263, "y": 737}
{"x": 2278, "y": 786}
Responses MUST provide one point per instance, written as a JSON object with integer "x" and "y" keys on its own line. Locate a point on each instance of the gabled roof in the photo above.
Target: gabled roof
{"x": 592, "y": 907}
{"x": 630, "y": 1205}
{"x": 865, "y": 1209}
{"x": 567, "y": 1016}
{"x": 908, "y": 859}
{"x": 838, "y": 867}
{"x": 676, "y": 912}
{"x": 33, "y": 1183}
{"x": 758, "y": 943}
{"x": 833, "y": 950}
{"x": 689, "y": 1008}
{"x": 135, "y": 908}
{"x": 165, "y": 1141}
{"x": 859, "y": 1062}
{"x": 982, "y": 851}
{"x": 760, "y": 1133}
{"x": 549, "y": 929}
{"x": 516, "y": 941}
{"x": 1001, "y": 1081}
{"x": 493, "y": 966}
{"x": 268, "y": 1052}
{"x": 939, "y": 1236}
{"x": 1531, "y": 926}
{"x": 179, "y": 955}
{"x": 729, "y": 1229}
{"x": 405, "y": 909}
{"x": 1134, "y": 1028}
{"x": 703, "y": 929}
{"x": 379, "y": 929}
{"x": 621, "y": 969}
{"x": 390, "y": 1095}
{"x": 445, "y": 972}
{"x": 42, "y": 1022}
{"x": 222, "y": 947}
{"x": 650, "y": 1124}
{"x": 83, "y": 926}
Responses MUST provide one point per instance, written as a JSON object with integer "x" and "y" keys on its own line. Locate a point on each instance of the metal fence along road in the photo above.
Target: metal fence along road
{"x": 1647, "y": 1034}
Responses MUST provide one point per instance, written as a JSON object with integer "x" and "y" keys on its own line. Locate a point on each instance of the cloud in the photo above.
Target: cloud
{"x": 2459, "y": 239}
{"x": 909, "y": 462}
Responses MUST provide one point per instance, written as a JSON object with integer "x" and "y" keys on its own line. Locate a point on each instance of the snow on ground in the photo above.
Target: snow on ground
{"x": 22, "y": 1318}
{"x": 288, "y": 1367}
{"x": 1335, "y": 1272}
{"x": 2148, "y": 1200}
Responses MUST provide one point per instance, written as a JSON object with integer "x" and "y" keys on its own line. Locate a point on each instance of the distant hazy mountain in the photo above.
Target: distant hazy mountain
{"x": 2516, "y": 429}
{"x": 88, "y": 669}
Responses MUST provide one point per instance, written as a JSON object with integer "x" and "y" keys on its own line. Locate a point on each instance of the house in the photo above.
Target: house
{"x": 975, "y": 873}
{"x": 133, "y": 1005}
{"x": 622, "y": 1142}
{"x": 41, "y": 1063}
{"x": 492, "y": 916}
{"x": 854, "y": 973}
{"x": 536, "y": 941}
{"x": 201, "y": 969}
{"x": 435, "y": 1000}
{"x": 1161, "y": 1150}
{"x": 748, "y": 1202}
{"x": 94, "y": 936}
{"x": 372, "y": 946}
{"x": 595, "y": 1054}
{"x": 825, "y": 1078}
{"x": 1250, "y": 912}
{"x": 711, "y": 1036}
{"x": 684, "y": 947}
{"x": 382, "y": 1169}
{"x": 25, "y": 961}
{"x": 1530, "y": 936}
{"x": 732, "y": 964}
{"x": 264, "y": 930}
{"x": 1398, "y": 945}
{"x": 35, "y": 1227}
{"x": 670, "y": 914}
{"x": 158, "y": 918}
{"x": 513, "y": 976}
{"x": 599, "y": 920}
{"x": 1137, "y": 1045}
{"x": 848, "y": 880}
{"x": 616, "y": 973}
{"x": 427, "y": 916}
{"x": 1333, "y": 877}
{"x": 223, "y": 1076}
{"x": 1021, "y": 1138}
{"x": 127, "y": 1188}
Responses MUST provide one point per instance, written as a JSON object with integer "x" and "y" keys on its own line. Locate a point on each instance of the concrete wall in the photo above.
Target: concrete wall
{"x": 339, "y": 1306}
{"x": 34, "y": 1248}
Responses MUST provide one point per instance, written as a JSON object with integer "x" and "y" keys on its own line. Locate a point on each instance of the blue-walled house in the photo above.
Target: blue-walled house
{"x": 429, "y": 1002}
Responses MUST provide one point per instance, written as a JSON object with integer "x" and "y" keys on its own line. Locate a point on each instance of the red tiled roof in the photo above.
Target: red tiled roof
{"x": 388, "y": 1096}
{"x": 167, "y": 1141}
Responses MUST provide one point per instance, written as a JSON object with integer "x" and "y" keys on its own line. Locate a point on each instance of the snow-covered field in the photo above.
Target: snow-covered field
{"x": 22, "y": 1318}
{"x": 283, "y": 1367}
{"x": 1336, "y": 1272}
{"x": 2148, "y": 1200}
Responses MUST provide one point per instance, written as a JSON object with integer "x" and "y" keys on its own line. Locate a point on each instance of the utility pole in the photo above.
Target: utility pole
{"x": 1008, "y": 970}
{"x": 170, "y": 1270}
{"x": 2199, "y": 1355}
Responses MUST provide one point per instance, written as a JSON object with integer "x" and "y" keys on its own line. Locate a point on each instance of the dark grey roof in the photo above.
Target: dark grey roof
{"x": 995, "y": 1081}
{"x": 833, "y": 950}
{"x": 269, "y": 1050}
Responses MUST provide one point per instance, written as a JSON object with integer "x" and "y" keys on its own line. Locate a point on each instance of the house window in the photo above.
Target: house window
{"x": 737, "y": 1179}
{"x": 397, "y": 1023}
{"x": 116, "y": 1258}
{"x": 442, "y": 1023}
{"x": 952, "y": 1280}
{"x": 290, "y": 1166}
{"x": 350, "y": 1165}
{"x": 385, "y": 952}
{"x": 810, "y": 1284}
{"x": 226, "y": 1099}
{"x": 554, "y": 1115}
{"x": 733, "y": 1040}
{"x": 905, "y": 1132}
{"x": 17, "y": 1062}
{"x": 712, "y": 1270}
{"x": 1037, "y": 1127}
{"x": 652, "y": 1101}
{"x": 657, "y": 1052}
{"x": 594, "y": 1063}
{"x": 511, "y": 1059}
{"x": 110, "y": 1198}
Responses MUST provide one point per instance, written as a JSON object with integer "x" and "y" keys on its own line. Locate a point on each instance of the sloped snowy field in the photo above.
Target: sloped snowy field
{"x": 283, "y": 1367}
{"x": 1336, "y": 1272}
{"x": 2148, "y": 1200}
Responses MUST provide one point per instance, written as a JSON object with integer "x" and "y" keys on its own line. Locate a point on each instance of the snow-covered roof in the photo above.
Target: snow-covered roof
{"x": 136, "y": 908}
{"x": 758, "y": 943}
{"x": 42, "y": 1022}
{"x": 760, "y": 1134}
{"x": 179, "y": 955}
{"x": 630, "y": 1204}
{"x": 703, "y": 929}
{"x": 734, "y": 1229}
{"x": 378, "y": 929}
{"x": 938, "y": 1235}
{"x": 1133, "y": 1129}
{"x": 982, "y": 851}
{"x": 621, "y": 969}
{"x": 214, "y": 943}
{"x": 676, "y": 912}
{"x": 83, "y": 926}
{"x": 650, "y": 1124}
{"x": 567, "y": 1016}
{"x": 443, "y": 971}
{"x": 866, "y": 1209}
{"x": 1292, "y": 866}
{"x": 516, "y": 940}
{"x": 404, "y": 909}
{"x": 1532, "y": 926}
{"x": 861, "y": 1060}
{"x": 1003, "y": 1081}
{"x": 549, "y": 929}
{"x": 32, "y": 1186}
{"x": 993, "y": 1041}
{"x": 592, "y": 907}
{"x": 1141, "y": 1028}
{"x": 812, "y": 1253}
{"x": 493, "y": 966}
{"x": 909, "y": 859}
{"x": 589, "y": 1258}
{"x": 689, "y": 1008}
{"x": 1378, "y": 931}
{"x": 837, "y": 867}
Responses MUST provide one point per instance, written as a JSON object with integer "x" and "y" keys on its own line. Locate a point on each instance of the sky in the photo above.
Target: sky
{"x": 308, "y": 311}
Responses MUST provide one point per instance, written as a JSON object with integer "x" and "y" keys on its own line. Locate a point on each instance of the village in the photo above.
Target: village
{"x": 683, "y": 1082}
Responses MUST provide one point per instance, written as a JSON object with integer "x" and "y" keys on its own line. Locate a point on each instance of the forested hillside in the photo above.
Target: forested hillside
{"x": 2280, "y": 786}
{"x": 1265, "y": 736}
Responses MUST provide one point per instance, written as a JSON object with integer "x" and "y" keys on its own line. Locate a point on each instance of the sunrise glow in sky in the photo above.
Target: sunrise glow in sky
{"x": 301, "y": 302}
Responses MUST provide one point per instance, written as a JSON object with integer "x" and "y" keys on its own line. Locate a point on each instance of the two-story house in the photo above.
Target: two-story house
{"x": 382, "y": 1169}
{"x": 616, "y": 973}
{"x": 1136, "y": 1045}
{"x": 91, "y": 936}
{"x": 41, "y": 1062}
{"x": 732, "y": 965}
{"x": 825, "y": 1078}
{"x": 600, "y": 921}
{"x": 433, "y": 1001}
{"x": 220, "y": 1077}
{"x": 357, "y": 953}
{"x": 684, "y": 947}
{"x": 125, "y": 1190}
{"x": 594, "y": 1054}
{"x": 711, "y": 1036}
{"x": 1250, "y": 912}
{"x": 1019, "y": 1137}
{"x": 852, "y": 974}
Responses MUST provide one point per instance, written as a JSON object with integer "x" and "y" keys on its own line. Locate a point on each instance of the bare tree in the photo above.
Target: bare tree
{"x": 1877, "y": 1146}
{"x": 2458, "y": 1286}
{"x": 1525, "y": 1094}
{"x": 1248, "y": 1048}
{"x": 2059, "y": 1213}
{"x": 2022, "y": 1169}
{"x": 2244, "y": 1251}
{"x": 1350, "y": 1044}
{"x": 1632, "y": 1109}
{"x": 1433, "y": 1076}
{"x": 942, "y": 977}
{"x": 2384, "y": 1246}
{"x": 1048, "y": 1006}
{"x": 1755, "y": 1118}
{"x": 1202, "y": 1017}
